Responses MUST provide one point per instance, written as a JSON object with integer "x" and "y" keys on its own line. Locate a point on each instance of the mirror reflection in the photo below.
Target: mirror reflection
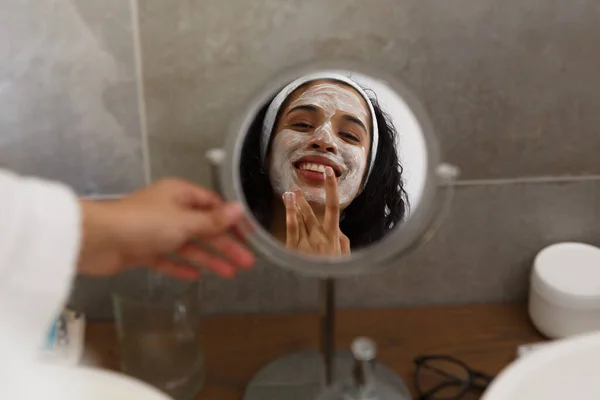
{"x": 333, "y": 162}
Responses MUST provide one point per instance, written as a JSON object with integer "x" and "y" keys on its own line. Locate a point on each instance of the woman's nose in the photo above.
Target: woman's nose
{"x": 325, "y": 146}
{"x": 322, "y": 140}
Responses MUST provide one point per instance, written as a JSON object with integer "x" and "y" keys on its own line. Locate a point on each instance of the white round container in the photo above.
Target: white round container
{"x": 564, "y": 369}
{"x": 77, "y": 383}
{"x": 564, "y": 297}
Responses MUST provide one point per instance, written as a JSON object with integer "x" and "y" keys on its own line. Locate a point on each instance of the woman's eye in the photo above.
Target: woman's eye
{"x": 349, "y": 136}
{"x": 302, "y": 125}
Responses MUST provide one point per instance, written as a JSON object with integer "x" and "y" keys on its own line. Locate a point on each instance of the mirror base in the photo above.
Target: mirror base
{"x": 299, "y": 376}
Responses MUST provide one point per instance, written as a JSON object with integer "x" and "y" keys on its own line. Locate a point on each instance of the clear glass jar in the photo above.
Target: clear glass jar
{"x": 158, "y": 327}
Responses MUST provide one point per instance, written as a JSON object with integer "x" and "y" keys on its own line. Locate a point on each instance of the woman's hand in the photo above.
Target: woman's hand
{"x": 147, "y": 227}
{"x": 304, "y": 231}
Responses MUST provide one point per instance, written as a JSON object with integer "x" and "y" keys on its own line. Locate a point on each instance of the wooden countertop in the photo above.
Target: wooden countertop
{"x": 484, "y": 336}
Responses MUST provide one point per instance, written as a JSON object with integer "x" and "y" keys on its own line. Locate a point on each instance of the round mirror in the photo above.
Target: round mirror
{"x": 337, "y": 167}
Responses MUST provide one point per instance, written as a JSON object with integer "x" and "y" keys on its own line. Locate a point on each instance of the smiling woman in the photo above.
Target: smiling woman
{"x": 325, "y": 124}
{"x": 320, "y": 168}
{"x": 326, "y": 176}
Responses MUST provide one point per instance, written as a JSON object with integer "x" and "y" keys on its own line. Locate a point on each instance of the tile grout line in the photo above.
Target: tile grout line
{"x": 141, "y": 96}
{"x": 532, "y": 180}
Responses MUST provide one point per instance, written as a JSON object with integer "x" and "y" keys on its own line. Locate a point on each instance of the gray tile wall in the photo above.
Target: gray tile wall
{"x": 68, "y": 98}
{"x": 511, "y": 87}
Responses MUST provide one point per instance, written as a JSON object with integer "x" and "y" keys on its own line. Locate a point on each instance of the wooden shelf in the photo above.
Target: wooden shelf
{"x": 236, "y": 347}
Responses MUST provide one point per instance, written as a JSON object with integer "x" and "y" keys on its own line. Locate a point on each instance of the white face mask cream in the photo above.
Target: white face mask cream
{"x": 293, "y": 151}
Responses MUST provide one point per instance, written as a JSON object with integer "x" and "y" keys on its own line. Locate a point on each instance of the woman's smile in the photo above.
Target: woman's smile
{"x": 311, "y": 168}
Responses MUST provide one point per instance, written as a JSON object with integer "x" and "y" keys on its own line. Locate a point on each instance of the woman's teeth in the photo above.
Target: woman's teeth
{"x": 313, "y": 167}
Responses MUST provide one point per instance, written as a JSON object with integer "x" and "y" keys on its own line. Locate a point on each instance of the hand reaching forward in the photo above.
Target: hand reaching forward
{"x": 171, "y": 216}
{"x": 304, "y": 231}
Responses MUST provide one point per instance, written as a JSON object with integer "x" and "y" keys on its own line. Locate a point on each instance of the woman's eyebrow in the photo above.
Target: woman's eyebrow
{"x": 305, "y": 107}
{"x": 351, "y": 118}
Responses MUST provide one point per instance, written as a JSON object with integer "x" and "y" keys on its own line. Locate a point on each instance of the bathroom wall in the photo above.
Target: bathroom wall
{"x": 511, "y": 87}
{"x": 68, "y": 95}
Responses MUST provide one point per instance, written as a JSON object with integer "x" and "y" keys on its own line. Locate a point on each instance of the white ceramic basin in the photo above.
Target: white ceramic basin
{"x": 79, "y": 383}
{"x": 564, "y": 369}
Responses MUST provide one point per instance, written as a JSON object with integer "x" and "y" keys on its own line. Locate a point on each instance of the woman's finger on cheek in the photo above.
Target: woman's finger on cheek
{"x": 322, "y": 248}
{"x": 344, "y": 243}
{"x": 203, "y": 258}
{"x": 306, "y": 211}
{"x": 291, "y": 220}
{"x": 317, "y": 239}
{"x": 331, "y": 220}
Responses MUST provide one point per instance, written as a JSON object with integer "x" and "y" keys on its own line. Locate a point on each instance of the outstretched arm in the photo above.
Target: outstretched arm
{"x": 46, "y": 234}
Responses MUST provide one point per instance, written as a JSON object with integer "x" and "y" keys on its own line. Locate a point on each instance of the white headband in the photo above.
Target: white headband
{"x": 273, "y": 110}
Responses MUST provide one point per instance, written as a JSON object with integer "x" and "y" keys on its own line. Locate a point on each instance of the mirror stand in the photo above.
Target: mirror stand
{"x": 327, "y": 320}
{"x": 329, "y": 373}
{"x": 313, "y": 374}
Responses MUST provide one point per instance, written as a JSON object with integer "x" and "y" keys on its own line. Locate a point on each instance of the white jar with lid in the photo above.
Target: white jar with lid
{"x": 564, "y": 298}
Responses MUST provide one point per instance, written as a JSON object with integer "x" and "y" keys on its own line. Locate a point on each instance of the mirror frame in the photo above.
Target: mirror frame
{"x": 412, "y": 233}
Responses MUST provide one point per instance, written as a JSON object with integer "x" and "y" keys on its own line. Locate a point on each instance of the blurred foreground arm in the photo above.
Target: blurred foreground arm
{"x": 147, "y": 227}
{"x": 46, "y": 232}
{"x": 39, "y": 242}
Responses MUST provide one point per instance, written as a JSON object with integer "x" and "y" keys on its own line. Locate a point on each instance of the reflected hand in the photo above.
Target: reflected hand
{"x": 168, "y": 217}
{"x": 304, "y": 231}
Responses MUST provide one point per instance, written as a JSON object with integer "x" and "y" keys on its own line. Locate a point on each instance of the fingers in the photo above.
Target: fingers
{"x": 315, "y": 236}
{"x": 311, "y": 221}
{"x": 331, "y": 220}
{"x": 213, "y": 222}
{"x": 242, "y": 230}
{"x": 203, "y": 258}
{"x": 176, "y": 269}
{"x": 239, "y": 233}
{"x": 202, "y": 198}
{"x": 191, "y": 195}
{"x": 292, "y": 220}
{"x": 344, "y": 243}
{"x": 233, "y": 250}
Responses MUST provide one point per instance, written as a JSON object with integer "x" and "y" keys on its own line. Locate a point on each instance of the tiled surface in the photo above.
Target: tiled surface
{"x": 483, "y": 253}
{"x": 68, "y": 105}
{"x": 511, "y": 86}
{"x": 485, "y": 249}
{"x": 264, "y": 289}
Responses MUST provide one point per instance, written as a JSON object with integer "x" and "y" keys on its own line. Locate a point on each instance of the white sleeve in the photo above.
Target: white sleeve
{"x": 40, "y": 233}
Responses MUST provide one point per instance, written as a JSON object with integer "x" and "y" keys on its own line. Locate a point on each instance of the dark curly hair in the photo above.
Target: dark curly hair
{"x": 381, "y": 205}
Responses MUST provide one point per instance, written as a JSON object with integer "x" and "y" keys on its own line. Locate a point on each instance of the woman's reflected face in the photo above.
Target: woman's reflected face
{"x": 323, "y": 124}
